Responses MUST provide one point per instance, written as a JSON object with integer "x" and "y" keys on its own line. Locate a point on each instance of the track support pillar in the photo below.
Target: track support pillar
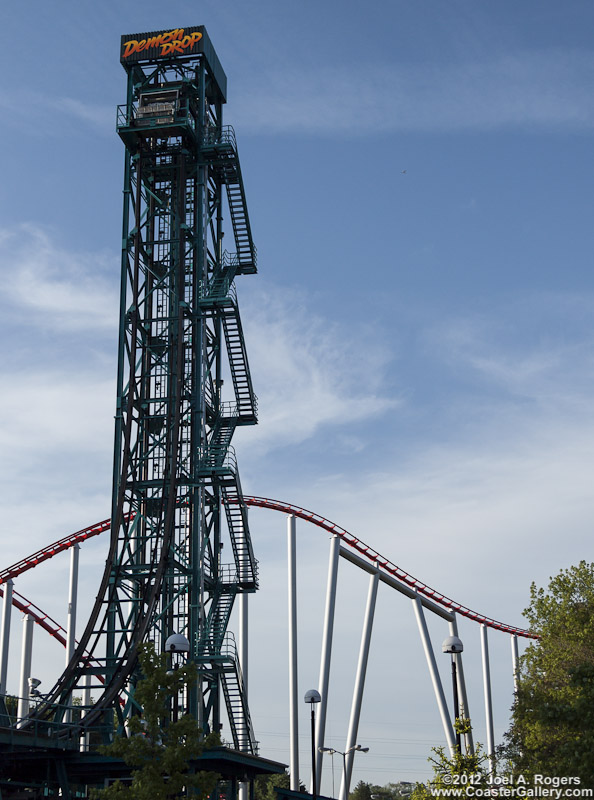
{"x": 488, "y": 700}
{"x": 293, "y": 679}
{"x": 27, "y": 650}
{"x": 5, "y": 636}
{"x": 324, "y": 684}
{"x": 514, "y": 651}
{"x": 434, "y": 672}
{"x": 72, "y": 601}
{"x": 359, "y": 684}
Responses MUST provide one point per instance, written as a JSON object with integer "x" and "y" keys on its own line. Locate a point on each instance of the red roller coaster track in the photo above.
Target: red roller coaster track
{"x": 347, "y": 538}
{"x": 41, "y": 618}
{"x": 53, "y": 550}
{"x": 375, "y": 558}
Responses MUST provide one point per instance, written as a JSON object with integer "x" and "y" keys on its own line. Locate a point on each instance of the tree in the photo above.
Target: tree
{"x": 458, "y": 772}
{"x": 389, "y": 791}
{"x": 362, "y": 791}
{"x": 264, "y": 785}
{"x": 552, "y": 727}
{"x": 158, "y": 750}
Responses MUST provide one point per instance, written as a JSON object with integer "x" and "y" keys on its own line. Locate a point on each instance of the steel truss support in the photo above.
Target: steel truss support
{"x": 488, "y": 699}
{"x": 435, "y": 679}
{"x": 324, "y": 685}
{"x": 419, "y": 602}
{"x": 293, "y": 660}
{"x": 359, "y": 685}
{"x": 515, "y": 657}
{"x": 5, "y": 636}
{"x": 72, "y": 602}
{"x": 26, "y": 655}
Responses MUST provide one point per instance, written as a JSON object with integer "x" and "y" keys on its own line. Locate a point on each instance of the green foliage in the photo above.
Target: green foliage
{"x": 389, "y": 791}
{"x": 552, "y": 730}
{"x": 158, "y": 750}
{"x": 362, "y": 791}
{"x": 12, "y": 703}
{"x": 472, "y": 766}
{"x": 264, "y": 786}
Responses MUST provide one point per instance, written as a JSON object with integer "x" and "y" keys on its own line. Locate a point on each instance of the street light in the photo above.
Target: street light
{"x": 312, "y": 697}
{"x": 177, "y": 645}
{"x": 453, "y": 645}
{"x": 331, "y": 750}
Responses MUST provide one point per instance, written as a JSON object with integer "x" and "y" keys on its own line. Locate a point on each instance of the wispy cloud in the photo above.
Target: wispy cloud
{"x": 538, "y": 89}
{"x": 546, "y": 89}
{"x": 308, "y": 372}
{"x": 53, "y": 287}
{"x": 58, "y": 310}
{"x": 55, "y": 412}
{"x": 101, "y": 117}
{"x": 543, "y": 351}
{"x": 48, "y": 115}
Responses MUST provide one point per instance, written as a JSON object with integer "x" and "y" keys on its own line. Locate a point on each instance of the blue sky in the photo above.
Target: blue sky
{"x": 419, "y": 177}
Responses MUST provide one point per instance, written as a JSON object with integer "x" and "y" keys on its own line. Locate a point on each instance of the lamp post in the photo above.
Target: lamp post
{"x": 453, "y": 645}
{"x": 331, "y": 750}
{"x": 36, "y": 695}
{"x": 312, "y": 697}
{"x": 177, "y": 645}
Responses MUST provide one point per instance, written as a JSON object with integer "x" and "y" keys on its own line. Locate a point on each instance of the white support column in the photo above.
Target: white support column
{"x": 435, "y": 679}
{"x": 71, "y": 617}
{"x": 487, "y": 691}
{"x": 293, "y": 682}
{"x": 5, "y": 636}
{"x": 243, "y": 661}
{"x": 514, "y": 650}
{"x": 324, "y": 684}
{"x": 72, "y": 601}
{"x": 359, "y": 684}
{"x": 23, "y": 705}
{"x": 465, "y": 711}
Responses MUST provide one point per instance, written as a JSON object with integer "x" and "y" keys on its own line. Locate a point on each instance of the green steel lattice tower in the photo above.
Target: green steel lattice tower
{"x": 176, "y": 491}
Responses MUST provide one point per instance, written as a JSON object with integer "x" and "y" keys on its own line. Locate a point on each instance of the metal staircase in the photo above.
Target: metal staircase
{"x": 220, "y": 439}
{"x": 246, "y": 250}
{"x": 220, "y": 297}
{"x": 217, "y": 289}
{"x": 211, "y": 639}
{"x": 219, "y": 149}
{"x": 220, "y": 465}
{"x": 241, "y": 541}
{"x": 235, "y": 698}
{"x": 218, "y": 301}
{"x": 247, "y": 402}
{"x": 217, "y": 647}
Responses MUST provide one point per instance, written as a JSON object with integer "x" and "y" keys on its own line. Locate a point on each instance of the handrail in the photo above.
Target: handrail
{"x": 154, "y": 115}
{"x": 214, "y": 136}
{"x": 219, "y": 457}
